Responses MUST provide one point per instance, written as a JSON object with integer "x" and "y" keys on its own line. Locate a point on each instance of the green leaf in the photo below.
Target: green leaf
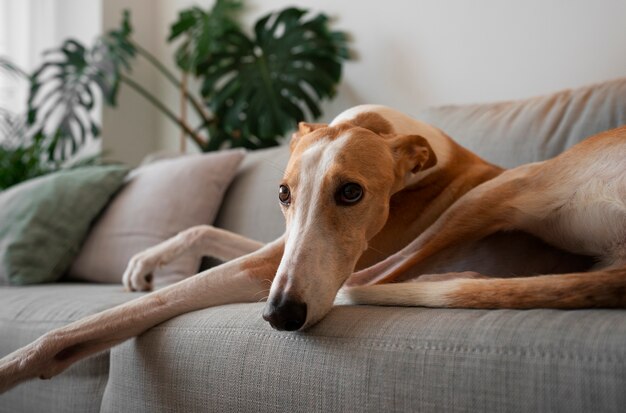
{"x": 12, "y": 69}
{"x": 63, "y": 89}
{"x": 20, "y": 159}
{"x": 12, "y": 128}
{"x": 260, "y": 87}
{"x": 201, "y": 32}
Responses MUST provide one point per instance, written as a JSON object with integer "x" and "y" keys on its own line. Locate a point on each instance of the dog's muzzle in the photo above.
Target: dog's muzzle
{"x": 285, "y": 313}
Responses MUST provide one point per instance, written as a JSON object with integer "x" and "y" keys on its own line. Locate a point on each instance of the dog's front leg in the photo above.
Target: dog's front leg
{"x": 200, "y": 240}
{"x": 245, "y": 279}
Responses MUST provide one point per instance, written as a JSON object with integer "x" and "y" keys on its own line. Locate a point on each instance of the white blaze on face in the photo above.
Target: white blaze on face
{"x": 311, "y": 267}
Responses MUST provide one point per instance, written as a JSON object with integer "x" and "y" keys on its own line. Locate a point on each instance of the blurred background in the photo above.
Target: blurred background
{"x": 408, "y": 54}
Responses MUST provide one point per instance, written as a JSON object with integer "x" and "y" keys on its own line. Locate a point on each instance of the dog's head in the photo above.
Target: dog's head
{"x": 335, "y": 197}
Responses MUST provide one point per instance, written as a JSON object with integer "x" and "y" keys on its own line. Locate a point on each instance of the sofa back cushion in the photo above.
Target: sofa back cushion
{"x": 250, "y": 205}
{"x": 530, "y": 130}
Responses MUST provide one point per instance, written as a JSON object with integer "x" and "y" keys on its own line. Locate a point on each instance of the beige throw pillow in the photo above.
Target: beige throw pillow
{"x": 158, "y": 201}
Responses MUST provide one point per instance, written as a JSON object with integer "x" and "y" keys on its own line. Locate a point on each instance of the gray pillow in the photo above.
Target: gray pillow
{"x": 522, "y": 131}
{"x": 160, "y": 200}
{"x": 250, "y": 206}
{"x": 44, "y": 221}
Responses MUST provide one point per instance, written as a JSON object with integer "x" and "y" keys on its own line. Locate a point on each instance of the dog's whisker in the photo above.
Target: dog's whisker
{"x": 261, "y": 292}
{"x": 377, "y": 250}
{"x": 277, "y": 167}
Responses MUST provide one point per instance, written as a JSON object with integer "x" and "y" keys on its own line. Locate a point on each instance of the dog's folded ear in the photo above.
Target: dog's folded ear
{"x": 372, "y": 121}
{"x": 303, "y": 129}
{"x": 412, "y": 153}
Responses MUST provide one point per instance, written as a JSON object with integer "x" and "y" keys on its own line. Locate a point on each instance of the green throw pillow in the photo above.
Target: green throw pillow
{"x": 44, "y": 221}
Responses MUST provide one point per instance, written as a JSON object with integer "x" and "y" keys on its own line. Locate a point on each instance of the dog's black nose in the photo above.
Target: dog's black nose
{"x": 285, "y": 314}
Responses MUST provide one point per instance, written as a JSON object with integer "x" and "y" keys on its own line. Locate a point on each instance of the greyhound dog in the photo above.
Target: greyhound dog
{"x": 380, "y": 193}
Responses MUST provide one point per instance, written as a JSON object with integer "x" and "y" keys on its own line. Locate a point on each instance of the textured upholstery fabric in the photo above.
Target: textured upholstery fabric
{"x": 522, "y": 131}
{"x": 375, "y": 359}
{"x": 357, "y": 359}
{"x": 250, "y": 205}
{"x": 160, "y": 200}
{"x": 28, "y": 312}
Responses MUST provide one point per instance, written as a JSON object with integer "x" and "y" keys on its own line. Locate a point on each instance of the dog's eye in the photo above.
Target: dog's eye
{"x": 349, "y": 194}
{"x": 284, "y": 195}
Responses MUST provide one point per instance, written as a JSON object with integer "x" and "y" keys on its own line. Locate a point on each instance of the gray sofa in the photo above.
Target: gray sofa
{"x": 358, "y": 359}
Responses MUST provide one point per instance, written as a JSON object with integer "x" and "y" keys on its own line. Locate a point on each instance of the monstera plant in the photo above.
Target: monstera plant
{"x": 60, "y": 117}
{"x": 259, "y": 87}
{"x": 253, "y": 88}
{"x": 20, "y": 157}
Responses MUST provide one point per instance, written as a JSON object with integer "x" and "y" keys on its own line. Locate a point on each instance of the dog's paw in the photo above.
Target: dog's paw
{"x": 34, "y": 360}
{"x": 139, "y": 272}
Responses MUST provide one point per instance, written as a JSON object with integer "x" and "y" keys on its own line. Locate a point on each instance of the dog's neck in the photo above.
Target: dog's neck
{"x": 427, "y": 195}
{"x": 417, "y": 206}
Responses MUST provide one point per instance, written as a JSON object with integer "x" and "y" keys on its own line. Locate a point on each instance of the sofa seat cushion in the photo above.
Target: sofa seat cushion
{"x": 377, "y": 359}
{"x": 28, "y": 312}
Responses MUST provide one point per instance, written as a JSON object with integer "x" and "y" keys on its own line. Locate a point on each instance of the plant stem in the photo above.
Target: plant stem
{"x": 208, "y": 119}
{"x": 183, "y": 111}
{"x": 11, "y": 68}
{"x": 155, "y": 62}
{"x": 172, "y": 78}
{"x": 199, "y": 140}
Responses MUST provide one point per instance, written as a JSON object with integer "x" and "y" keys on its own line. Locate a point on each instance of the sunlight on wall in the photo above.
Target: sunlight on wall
{"x": 30, "y": 27}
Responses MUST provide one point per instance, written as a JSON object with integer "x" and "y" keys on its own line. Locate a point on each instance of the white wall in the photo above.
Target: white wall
{"x": 168, "y": 135}
{"x": 129, "y": 130}
{"x": 29, "y": 27}
{"x": 415, "y": 53}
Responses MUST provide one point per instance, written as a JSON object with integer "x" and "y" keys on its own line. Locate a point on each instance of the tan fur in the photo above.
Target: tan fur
{"x": 544, "y": 199}
{"x": 605, "y": 289}
{"x": 413, "y": 153}
{"x": 303, "y": 129}
{"x": 418, "y": 206}
{"x": 197, "y": 240}
{"x": 374, "y": 122}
